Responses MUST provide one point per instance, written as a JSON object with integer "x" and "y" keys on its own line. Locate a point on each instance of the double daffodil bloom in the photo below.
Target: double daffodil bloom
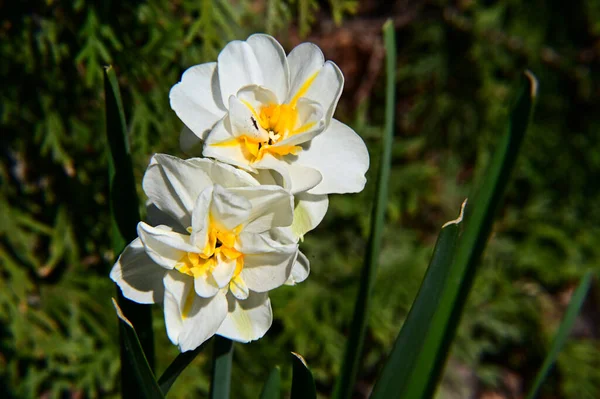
{"x": 219, "y": 241}
{"x": 258, "y": 109}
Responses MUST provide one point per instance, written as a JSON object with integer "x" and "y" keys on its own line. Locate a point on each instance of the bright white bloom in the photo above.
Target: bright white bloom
{"x": 221, "y": 242}
{"x": 258, "y": 109}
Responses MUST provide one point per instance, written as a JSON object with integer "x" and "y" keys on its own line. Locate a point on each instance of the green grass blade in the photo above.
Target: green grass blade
{"x": 303, "y": 383}
{"x": 411, "y": 340}
{"x": 272, "y": 388}
{"x": 221, "y": 376}
{"x": 352, "y": 356}
{"x": 125, "y": 216}
{"x": 146, "y": 386}
{"x": 176, "y": 367}
{"x": 479, "y": 215}
{"x": 563, "y": 332}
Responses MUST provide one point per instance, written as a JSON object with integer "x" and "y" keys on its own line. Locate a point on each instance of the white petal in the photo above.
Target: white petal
{"x": 267, "y": 271}
{"x": 327, "y": 89}
{"x": 247, "y": 320}
{"x": 190, "y": 319}
{"x": 310, "y": 123}
{"x": 244, "y": 121}
{"x": 300, "y": 270}
{"x": 222, "y": 145}
{"x": 224, "y": 270}
{"x": 273, "y": 63}
{"x": 250, "y": 243}
{"x": 238, "y": 288}
{"x": 139, "y": 278}
{"x": 342, "y": 158}
{"x": 206, "y": 286}
{"x": 155, "y": 217}
{"x": 164, "y": 247}
{"x": 304, "y": 61}
{"x": 223, "y": 174}
{"x": 201, "y": 218}
{"x": 309, "y": 211}
{"x": 272, "y": 206}
{"x": 173, "y": 185}
{"x": 197, "y": 98}
{"x": 257, "y": 97}
{"x": 238, "y": 67}
{"x": 229, "y": 210}
{"x": 295, "y": 178}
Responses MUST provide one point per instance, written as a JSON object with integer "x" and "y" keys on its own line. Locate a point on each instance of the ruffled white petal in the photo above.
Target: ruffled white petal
{"x": 247, "y": 320}
{"x": 273, "y": 63}
{"x": 238, "y": 67}
{"x": 309, "y": 211}
{"x": 191, "y": 320}
{"x": 197, "y": 99}
{"x": 228, "y": 209}
{"x": 238, "y": 288}
{"x": 327, "y": 89}
{"x": 305, "y": 61}
{"x": 223, "y": 273}
{"x": 271, "y": 206}
{"x": 206, "y": 286}
{"x": 223, "y": 174}
{"x": 173, "y": 185}
{"x": 266, "y": 271}
{"x": 244, "y": 121}
{"x": 222, "y": 145}
{"x": 201, "y": 218}
{"x": 163, "y": 246}
{"x": 295, "y": 177}
{"x": 300, "y": 270}
{"x": 341, "y": 156}
{"x": 139, "y": 278}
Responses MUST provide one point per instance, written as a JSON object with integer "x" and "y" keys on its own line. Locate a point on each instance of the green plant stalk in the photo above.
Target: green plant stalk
{"x": 125, "y": 216}
{"x": 345, "y": 382}
{"x": 411, "y": 339}
{"x": 563, "y": 333}
{"x": 221, "y": 377}
{"x": 427, "y": 368}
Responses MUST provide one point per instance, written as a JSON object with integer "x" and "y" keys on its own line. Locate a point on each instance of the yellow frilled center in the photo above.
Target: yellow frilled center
{"x": 220, "y": 246}
{"x": 280, "y": 121}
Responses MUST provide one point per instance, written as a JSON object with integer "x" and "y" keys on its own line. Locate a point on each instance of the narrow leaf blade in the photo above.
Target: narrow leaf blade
{"x": 272, "y": 388}
{"x": 563, "y": 333}
{"x": 124, "y": 218}
{"x": 146, "y": 384}
{"x": 409, "y": 344}
{"x": 439, "y": 332}
{"x": 221, "y": 378}
{"x": 303, "y": 383}
{"x": 345, "y": 382}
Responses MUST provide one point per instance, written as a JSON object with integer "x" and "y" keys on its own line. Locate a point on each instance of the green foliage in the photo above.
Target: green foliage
{"x": 457, "y": 61}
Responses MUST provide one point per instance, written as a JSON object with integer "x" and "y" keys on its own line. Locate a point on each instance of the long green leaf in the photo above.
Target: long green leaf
{"x": 303, "y": 383}
{"x": 352, "y": 356}
{"x": 272, "y": 388}
{"x": 563, "y": 332}
{"x": 409, "y": 344}
{"x": 146, "y": 383}
{"x": 125, "y": 216}
{"x": 221, "y": 376}
{"x": 176, "y": 367}
{"x": 428, "y": 365}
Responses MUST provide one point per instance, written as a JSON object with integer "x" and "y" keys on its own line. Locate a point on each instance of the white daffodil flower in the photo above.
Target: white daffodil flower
{"x": 223, "y": 242}
{"x": 258, "y": 109}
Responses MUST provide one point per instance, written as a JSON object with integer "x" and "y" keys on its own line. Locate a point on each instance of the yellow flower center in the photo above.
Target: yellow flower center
{"x": 280, "y": 121}
{"x": 219, "y": 246}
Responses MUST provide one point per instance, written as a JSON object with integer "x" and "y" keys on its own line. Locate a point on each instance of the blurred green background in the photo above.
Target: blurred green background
{"x": 458, "y": 65}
